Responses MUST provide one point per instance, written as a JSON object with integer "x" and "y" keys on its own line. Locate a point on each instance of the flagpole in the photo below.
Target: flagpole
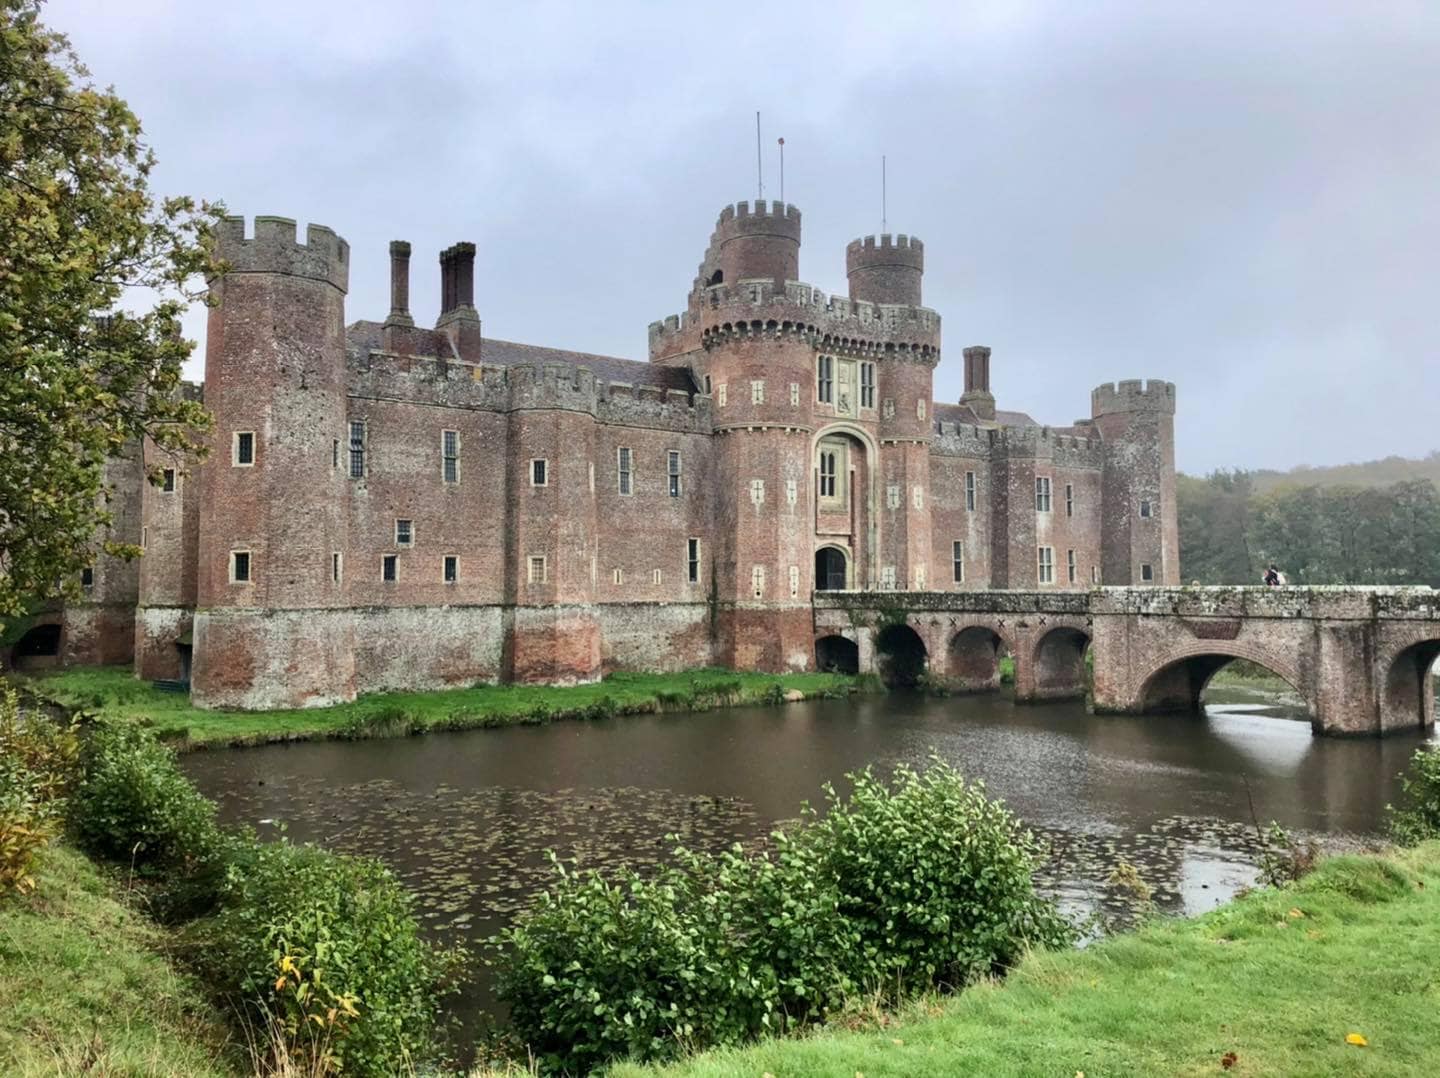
{"x": 759, "y": 171}
{"x": 884, "y": 220}
{"x": 782, "y": 171}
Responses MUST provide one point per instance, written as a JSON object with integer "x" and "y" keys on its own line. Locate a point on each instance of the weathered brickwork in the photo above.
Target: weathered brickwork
{"x": 388, "y": 505}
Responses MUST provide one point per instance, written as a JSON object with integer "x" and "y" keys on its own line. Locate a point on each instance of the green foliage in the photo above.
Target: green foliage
{"x": 134, "y": 805}
{"x": 79, "y": 231}
{"x": 37, "y": 763}
{"x": 1284, "y": 859}
{"x": 1331, "y": 534}
{"x": 902, "y": 887}
{"x": 1418, "y": 817}
{"x": 328, "y": 946}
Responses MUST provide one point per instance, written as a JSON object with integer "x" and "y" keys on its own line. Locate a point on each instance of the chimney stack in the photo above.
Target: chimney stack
{"x": 399, "y": 284}
{"x": 977, "y": 382}
{"x": 458, "y": 318}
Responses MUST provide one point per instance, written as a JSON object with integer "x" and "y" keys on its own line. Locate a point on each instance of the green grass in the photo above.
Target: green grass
{"x": 84, "y": 988}
{"x": 1279, "y": 978}
{"x": 114, "y": 691}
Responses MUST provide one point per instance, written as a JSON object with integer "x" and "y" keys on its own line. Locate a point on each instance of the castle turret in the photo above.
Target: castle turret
{"x": 886, "y": 272}
{"x": 271, "y": 630}
{"x": 763, "y": 243}
{"x": 1140, "y": 541}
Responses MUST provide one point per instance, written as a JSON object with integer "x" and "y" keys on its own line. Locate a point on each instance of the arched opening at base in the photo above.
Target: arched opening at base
{"x": 1409, "y": 696}
{"x": 900, "y": 656}
{"x": 830, "y": 569}
{"x": 972, "y": 661}
{"x": 837, "y": 655}
{"x": 37, "y": 649}
{"x": 1180, "y": 686}
{"x": 1060, "y": 669}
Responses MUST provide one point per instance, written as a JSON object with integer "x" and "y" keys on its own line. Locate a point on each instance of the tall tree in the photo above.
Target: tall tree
{"x": 80, "y": 379}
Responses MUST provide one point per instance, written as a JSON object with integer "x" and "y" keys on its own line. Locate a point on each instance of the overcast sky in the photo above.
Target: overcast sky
{"x": 1242, "y": 198}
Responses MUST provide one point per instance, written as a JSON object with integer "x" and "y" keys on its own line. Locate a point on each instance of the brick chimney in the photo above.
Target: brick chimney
{"x": 459, "y": 320}
{"x": 977, "y": 382}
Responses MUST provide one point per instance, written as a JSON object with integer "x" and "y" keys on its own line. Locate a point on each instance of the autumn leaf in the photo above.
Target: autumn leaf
{"x": 1228, "y": 1060}
{"x": 1357, "y": 1039}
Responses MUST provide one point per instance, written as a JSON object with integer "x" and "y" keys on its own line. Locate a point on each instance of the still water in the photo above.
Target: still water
{"x": 465, "y": 818}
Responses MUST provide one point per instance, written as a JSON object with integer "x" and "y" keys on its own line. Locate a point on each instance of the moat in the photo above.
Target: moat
{"x": 465, "y": 818}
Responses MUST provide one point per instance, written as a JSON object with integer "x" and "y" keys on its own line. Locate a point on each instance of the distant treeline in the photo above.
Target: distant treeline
{"x": 1234, "y": 524}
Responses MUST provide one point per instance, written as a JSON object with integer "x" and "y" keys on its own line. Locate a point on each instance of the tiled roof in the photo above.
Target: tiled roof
{"x": 962, "y": 413}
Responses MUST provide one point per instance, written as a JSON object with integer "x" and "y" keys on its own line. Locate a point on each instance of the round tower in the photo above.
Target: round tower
{"x": 271, "y": 628}
{"x": 763, "y": 243}
{"x": 886, "y": 272}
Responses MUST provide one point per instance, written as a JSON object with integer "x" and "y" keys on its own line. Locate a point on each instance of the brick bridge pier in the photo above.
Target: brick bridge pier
{"x": 1360, "y": 658}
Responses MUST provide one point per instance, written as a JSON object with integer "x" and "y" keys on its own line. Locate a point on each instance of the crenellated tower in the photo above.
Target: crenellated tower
{"x": 271, "y": 628}
{"x": 1139, "y": 517}
{"x": 889, "y": 271}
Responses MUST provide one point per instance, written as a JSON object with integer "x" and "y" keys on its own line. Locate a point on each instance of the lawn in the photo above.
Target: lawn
{"x": 1272, "y": 984}
{"x": 114, "y": 691}
{"x": 85, "y": 989}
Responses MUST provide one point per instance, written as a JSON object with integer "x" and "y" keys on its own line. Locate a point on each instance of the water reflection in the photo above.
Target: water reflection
{"x": 465, "y": 818}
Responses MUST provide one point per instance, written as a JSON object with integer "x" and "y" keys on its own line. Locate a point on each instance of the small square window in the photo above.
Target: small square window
{"x": 538, "y": 468}
{"x": 452, "y": 568}
{"x": 1145, "y": 509}
{"x": 1147, "y": 574}
{"x": 536, "y": 569}
{"x": 389, "y": 568}
{"x": 87, "y": 577}
{"x": 167, "y": 482}
{"x": 244, "y": 451}
{"x": 239, "y": 566}
{"x": 404, "y": 532}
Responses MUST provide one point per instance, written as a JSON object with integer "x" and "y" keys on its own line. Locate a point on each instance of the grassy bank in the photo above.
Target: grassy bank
{"x": 113, "y": 690}
{"x": 1278, "y": 978}
{"x": 84, "y": 988}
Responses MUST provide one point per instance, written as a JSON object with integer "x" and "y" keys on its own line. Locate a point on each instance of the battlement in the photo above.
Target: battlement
{"x": 773, "y": 217}
{"x": 1133, "y": 395}
{"x": 900, "y": 250}
{"x": 1047, "y": 444}
{"x": 273, "y": 248}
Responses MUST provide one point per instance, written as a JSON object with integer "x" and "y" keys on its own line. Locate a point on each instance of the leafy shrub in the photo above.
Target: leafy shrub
{"x": 133, "y": 804}
{"x": 936, "y": 877}
{"x": 326, "y": 948}
{"x": 926, "y": 884}
{"x": 1418, "y": 817}
{"x": 1285, "y": 859}
{"x": 37, "y": 766}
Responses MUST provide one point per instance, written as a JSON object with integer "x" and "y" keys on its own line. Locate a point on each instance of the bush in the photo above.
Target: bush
{"x": 327, "y": 949}
{"x": 133, "y": 804}
{"x": 37, "y": 766}
{"x": 921, "y": 885}
{"x": 1418, "y": 817}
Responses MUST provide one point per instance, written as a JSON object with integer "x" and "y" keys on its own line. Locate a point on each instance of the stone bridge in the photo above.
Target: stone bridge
{"x": 1360, "y": 658}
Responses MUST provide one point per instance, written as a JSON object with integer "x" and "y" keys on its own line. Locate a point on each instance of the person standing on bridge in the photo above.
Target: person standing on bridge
{"x": 1272, "y": 577}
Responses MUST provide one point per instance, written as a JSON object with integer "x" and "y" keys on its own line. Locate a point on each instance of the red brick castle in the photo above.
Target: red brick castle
{"x": 389, "y": 506}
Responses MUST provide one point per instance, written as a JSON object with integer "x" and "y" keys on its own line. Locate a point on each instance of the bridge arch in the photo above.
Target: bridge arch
{"x": 1407, "y": 688}
{"x": 901, "y": 657}
{"x": 972, "y": 657}
{"x": 837, "y": 654}
{"x": 38, "y": 647}
{"x": 1058, "y": 663}
{"x": 1178, "y": 683}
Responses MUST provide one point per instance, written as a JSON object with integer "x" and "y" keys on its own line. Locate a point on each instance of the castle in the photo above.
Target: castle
{"x": 389, "y": 506}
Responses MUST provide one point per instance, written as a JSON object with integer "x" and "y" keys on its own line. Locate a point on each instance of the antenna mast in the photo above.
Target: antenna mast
{"x": 884, "y": 221}
{"x": 782, "y": 171}
{"x": 759, "y": 171}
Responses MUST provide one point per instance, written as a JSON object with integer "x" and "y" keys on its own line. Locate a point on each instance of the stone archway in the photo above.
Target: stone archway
{"x": 972, "y": 659}
{"x": 1407, "y": 693}
{"x": 1178, "y": 684}
{"x": 37, "y": 649}
{"x": 837, "y": 654}
{"x": 1058, "y": 664}
{"x": 900, "y": 657}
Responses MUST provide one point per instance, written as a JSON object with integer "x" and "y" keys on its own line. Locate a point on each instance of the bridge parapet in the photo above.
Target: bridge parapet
{"x": 979, "y": 602}
{"x": 1328, "y": 603}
